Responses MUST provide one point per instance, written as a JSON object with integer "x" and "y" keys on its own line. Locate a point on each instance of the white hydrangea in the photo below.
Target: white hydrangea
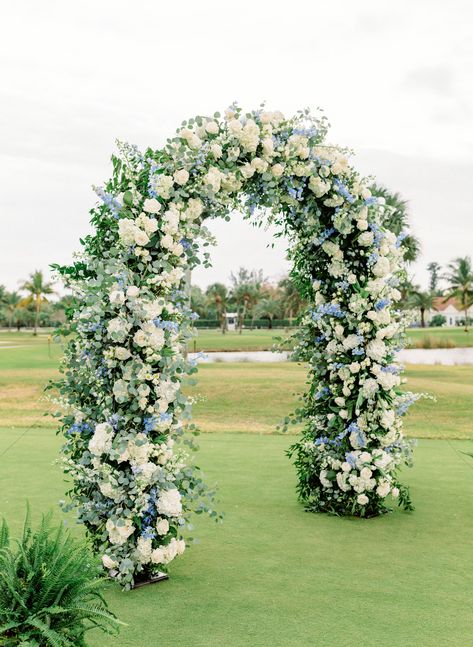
{"x": 169, "y": 503}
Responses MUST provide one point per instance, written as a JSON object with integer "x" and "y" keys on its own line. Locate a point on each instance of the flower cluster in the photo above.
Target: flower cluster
{"x": 134, "y": 486}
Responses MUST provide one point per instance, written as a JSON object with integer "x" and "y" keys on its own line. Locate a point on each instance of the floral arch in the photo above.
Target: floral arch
{"x": 133, "y": 482}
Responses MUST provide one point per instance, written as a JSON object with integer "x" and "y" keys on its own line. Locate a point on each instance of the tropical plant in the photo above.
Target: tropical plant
{"x": 396, "y": 219}
{"x": 246, "y": 288}
{"x": 11, "y": 304}
{"x": 434, "y": 271}
{"x": 291, "y": 298}
{"x": 50, "y": 592}
{"x": 422, "y": 301}
{"x": 38, "y": 288}
{"x": 460, "y": 281}
{"x": 268, "y": 308}
{"x": 217, "y": 295}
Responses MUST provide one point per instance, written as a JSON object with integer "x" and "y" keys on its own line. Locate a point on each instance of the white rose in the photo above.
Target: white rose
{"x": 387, "y": 419}
{"x": 365, "y": 473}
{"x": 216, "y": 151}
{"x": 140, "y": 338}
{"x": 157, "y": 556}
{"x": 151, "y": 205}
{"x": 395, "y": 492}
{"x": 277, "y": 170}
{"x": 132, "y": 292}
{"x": 122, "y": 353}
{"x": 354, "y": 367}
{"x": 212, "y": 127}
{"x": 141, "y": 237}
{"x": 162, "y": 526}
{"x": 366, "y": 238}
{"x": 383, "y": 489}
{"x": 181, "y": 177}
{"x": 382, "y": 267}
{"x": 362, "y": 499}
{"x": 234, "y": 126}
{"x": 108, "y": 562}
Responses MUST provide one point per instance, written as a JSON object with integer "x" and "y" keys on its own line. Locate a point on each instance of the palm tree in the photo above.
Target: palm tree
{"x": 217, "y": 295}
{"x": 434, "y": 271}
{"x": 246, "y": 292}
{"x": 12, "y": 303}
{"x": 37, "y": 288}
{"x": 3, "y": 293}
{"x": 423, "y": 301}
{"x": 396, "y": 219}
{"x": 291, "y": 298}
{"x": 460, "y": 280}
{"x": 268, "y": 308}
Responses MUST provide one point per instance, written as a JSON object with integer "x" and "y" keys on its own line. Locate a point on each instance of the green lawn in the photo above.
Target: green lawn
{"x": 213, "y": 340}
{"x": 240, "y": 397}
{"x": 275, "y": 576}
{"x": 440, "y": 337}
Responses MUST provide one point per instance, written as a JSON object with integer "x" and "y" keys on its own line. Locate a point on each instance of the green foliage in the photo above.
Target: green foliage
{"x": 50, "y": 592}
{"x": 437, "y": 321}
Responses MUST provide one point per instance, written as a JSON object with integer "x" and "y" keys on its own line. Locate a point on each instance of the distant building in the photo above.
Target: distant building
{"x": 450, "y": 309}
{"x": 231, "y": 320}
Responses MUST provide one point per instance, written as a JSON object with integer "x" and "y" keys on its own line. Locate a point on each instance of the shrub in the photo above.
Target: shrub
{"x": 437, "y": 320}
{"x": 50, "y": 592}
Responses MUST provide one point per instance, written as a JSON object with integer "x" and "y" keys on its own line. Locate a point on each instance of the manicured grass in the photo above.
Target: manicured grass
{"x": 241, "y": 397}
{"x": 273, "y": 575}
{"x": 213, "y": 340}
{"x": 440, "y": 337}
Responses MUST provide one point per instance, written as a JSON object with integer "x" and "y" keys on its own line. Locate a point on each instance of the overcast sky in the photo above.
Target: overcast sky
{"x": 395, "y": 80}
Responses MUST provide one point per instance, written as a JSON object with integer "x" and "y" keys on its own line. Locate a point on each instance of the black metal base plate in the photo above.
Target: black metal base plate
{"x": 154, "y": 579}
